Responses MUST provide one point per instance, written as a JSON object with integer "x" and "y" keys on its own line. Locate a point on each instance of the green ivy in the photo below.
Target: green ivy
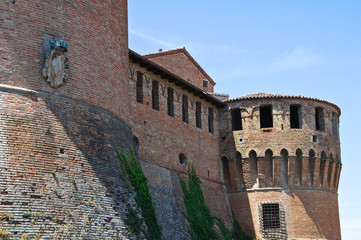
{"x": 201, "y": 222}
{"x": 142, "y": 198}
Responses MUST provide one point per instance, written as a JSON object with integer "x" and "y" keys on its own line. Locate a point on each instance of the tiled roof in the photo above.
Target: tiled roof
{"x": 282, "y": 96}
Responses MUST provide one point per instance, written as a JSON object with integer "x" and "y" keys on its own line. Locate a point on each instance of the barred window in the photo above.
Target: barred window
{"x": 272, "y": 220}
{"x": 271, "y": 215}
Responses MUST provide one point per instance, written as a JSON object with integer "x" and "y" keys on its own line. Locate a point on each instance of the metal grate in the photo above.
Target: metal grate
{"x": 271, "y": 215}
{"x": 272, "y": 220}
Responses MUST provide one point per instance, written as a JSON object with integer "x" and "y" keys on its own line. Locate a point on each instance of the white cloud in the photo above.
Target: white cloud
{"x": 298, "y": 58}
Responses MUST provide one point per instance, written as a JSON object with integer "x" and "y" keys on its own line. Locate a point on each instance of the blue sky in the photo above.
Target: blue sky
{"x": 307, "y": 47}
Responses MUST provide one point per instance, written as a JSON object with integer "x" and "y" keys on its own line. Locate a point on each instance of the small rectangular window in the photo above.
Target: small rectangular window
{"x": 205, "y": 83}
{"x": 139, "y": 87}
{"x": 296, "y": 116}
{"x": 170, "y": 102}
{"x": 319, "y": 118}
{"x": 155, "y": 96}
{"x": 236, "y": 120}
{"x": 271, "y": 216}
{"x": 266, "y": 117}
{"x": 334, "y": 124}
{"x": 210, "y": 120}
{"x": 198, "y": 115}
{"x": 185, "y": 108}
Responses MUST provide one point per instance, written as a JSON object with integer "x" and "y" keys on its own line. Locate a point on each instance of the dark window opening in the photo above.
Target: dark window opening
{"x": 182, "y": 159}
{"x": 226, "y": 176}
{"x": 314, "y": 139}
{"x": 266, "y": 116}
{"x": 271, "y": 216}
{"x": 155, "y": 96}
{"x": 320, "y": 121}
{"x": 205, "y": 83}
{"x": 170, "y": 102}
{"x": 198, "y": 115}
{"x": 139, "y": 87}
{"x": 210, "y": 120}
{"x": 136, "y": 142}
{"x": 296, "y": 116}
{"x": 334, "y": 124}
{"x": 185, "y": 108}
{"x": 236, "y": 120}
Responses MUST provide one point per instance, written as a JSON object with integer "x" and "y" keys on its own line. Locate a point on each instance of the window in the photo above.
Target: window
{"x": 226, "y": 176}
{"x": 155, "y": 96}
{"x": 182, "y": 159}
{"x": 205, "y": 83}
{"x": 198, "y": 115}
{"x": 210, "y": 120}
{"x": 271, "y": 216}
{"x": 236, "y": 120}
{"x": 272, "y": 220}
{"x": 334, "y": 124}
{"x": 185, "y": 108}
{"x": 319, "y": 118}
{"x": 139, "y": 87}
{"x": 170, "y": 102}
{"x": 266, "y": 116}
{"x": 296, "y": 116}
{"x": 136, "y": 142}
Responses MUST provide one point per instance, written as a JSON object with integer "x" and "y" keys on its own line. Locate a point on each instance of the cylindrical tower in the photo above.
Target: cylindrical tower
{"x": 281, "y": 164}
{"x": 64, "y": 109}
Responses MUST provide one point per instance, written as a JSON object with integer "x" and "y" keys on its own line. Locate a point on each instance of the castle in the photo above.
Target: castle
{"x": 72, "y": 92}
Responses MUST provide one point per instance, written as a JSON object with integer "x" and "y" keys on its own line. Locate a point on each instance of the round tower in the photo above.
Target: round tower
{"x": 281, "y": 165}
{"x": 64, "y": 109}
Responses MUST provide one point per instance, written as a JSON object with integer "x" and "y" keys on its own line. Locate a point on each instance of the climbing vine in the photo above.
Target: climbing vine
{"x": 143, "y": 199}
{"x": 202, "y": 225}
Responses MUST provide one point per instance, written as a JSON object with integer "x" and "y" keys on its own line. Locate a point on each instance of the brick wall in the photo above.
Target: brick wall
{"x": 180, "y": 62}
{"x": 281, "y": 168}
{"x": 162, "y": 138}
{"x": 59, "y": 173}
{"x": 97, "y": 34}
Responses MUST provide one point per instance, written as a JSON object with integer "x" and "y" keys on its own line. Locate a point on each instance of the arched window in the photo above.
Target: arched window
{"x": 269, "y": 167}
{"x": 254, "y": 168}
{"x": 284, "y": 167}
{"x": 322, "y": 166}
{"x": 298, "y": 166}
{"x": 311, "y": 165}
{"x": 226, "y": 176}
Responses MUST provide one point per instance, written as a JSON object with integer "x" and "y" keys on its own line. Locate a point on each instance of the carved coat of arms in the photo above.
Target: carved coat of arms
{"x": 54, "y": 69}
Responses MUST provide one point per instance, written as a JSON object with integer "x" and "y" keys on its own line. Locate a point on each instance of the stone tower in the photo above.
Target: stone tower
{"x": 64, "y": 106}
{"x": 281, "y": 165}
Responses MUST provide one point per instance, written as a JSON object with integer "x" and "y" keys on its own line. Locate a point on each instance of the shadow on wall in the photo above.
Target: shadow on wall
{"x": 59, "y": 174}
{"x": 234, "y": 171}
